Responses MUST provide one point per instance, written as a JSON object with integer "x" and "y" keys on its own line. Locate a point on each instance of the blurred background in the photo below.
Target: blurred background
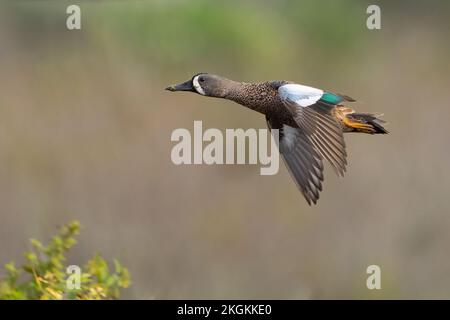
{"x": 85, "y": 131}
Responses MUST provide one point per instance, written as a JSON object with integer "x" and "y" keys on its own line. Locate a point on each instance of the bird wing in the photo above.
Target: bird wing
{"x": 303, "y": 161}
{"x": 312, "y": 109}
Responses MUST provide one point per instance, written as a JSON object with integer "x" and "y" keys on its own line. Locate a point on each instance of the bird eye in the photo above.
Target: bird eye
{"x": 201, "y": 79}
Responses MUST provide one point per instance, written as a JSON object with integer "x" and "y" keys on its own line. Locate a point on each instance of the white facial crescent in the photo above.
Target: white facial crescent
{"x": 197, "y": 86}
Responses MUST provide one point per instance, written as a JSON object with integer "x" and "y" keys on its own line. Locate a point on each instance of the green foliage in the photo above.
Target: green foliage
{"x": 44, "y": 275}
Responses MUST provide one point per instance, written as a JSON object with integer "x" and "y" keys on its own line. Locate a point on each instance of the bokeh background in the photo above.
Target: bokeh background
{"x": 85, "y": 131}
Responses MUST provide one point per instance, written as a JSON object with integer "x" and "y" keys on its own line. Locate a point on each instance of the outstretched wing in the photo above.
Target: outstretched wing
{"x": 302, "y": 160}
{"x": 311, "y": 109}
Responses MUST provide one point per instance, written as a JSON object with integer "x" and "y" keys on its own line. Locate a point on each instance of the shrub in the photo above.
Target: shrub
{"x": 45, "y": 276}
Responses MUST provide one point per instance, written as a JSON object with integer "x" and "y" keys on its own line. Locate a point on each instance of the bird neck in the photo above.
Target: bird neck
{"x": 236, "y": 91}
{"x": 256, "y": 96}
{"x": 230, "y": 89}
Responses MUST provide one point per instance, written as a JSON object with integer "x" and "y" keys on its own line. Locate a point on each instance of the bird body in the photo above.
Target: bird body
{"x": 311, "y": 122}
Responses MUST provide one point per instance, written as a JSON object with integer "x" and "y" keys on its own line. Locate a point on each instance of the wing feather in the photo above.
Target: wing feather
{"x": 318, "y": 124}
{"x": 302, "y": 160}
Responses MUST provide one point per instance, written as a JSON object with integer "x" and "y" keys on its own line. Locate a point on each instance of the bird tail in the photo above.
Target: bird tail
{"x": 365, "y": 123}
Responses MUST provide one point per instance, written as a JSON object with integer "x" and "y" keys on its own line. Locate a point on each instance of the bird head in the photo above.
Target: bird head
{"x": 204, "y": 84}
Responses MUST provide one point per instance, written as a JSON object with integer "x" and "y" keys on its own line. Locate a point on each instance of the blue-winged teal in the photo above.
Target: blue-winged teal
{"x": 311, "y": 122}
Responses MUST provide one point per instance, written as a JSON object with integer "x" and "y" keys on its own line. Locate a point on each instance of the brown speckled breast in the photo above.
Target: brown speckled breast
{"x": 263, "y": 97}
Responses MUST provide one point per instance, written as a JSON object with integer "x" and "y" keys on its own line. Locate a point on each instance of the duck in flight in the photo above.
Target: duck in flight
{"x": 311, "y": 122}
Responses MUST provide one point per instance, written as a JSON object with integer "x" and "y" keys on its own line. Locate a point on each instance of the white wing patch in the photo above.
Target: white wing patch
{"x": 197, "y": 86}
{"x": 300, "y": 94}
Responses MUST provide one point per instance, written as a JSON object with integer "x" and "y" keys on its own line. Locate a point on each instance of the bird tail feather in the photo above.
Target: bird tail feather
{"x": 365, "y": 122}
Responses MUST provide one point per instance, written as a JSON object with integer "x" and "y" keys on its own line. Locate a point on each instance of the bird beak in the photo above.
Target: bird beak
{"x": 185, "y": 86}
